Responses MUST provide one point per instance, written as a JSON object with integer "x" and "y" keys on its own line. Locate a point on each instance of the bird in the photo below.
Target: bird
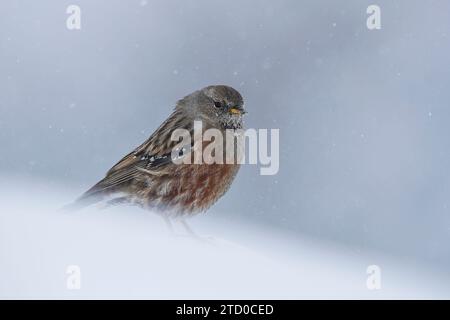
{"x": 149, "y": 177}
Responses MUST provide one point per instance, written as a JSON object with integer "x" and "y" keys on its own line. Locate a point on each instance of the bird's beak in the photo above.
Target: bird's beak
{"x": 237, "y": 110}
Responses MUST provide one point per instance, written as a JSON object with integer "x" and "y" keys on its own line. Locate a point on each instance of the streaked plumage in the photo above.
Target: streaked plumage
{"x": 147, "y": 176}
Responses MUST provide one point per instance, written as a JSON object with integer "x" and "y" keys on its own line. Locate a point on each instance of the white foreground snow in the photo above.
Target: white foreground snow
{"x": 128, "y": 253}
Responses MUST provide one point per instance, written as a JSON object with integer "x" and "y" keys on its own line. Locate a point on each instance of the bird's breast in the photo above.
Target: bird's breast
{"x": 191, "y": 188}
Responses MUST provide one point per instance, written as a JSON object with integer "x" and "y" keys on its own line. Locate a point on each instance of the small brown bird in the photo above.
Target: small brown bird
{"x": 148, "y": 176}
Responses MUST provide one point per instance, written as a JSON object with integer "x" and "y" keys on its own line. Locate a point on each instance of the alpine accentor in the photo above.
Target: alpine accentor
{"x": 149, "y": 177}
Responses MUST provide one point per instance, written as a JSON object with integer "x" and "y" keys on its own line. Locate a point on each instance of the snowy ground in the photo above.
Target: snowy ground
{"x": 127, "y": 253}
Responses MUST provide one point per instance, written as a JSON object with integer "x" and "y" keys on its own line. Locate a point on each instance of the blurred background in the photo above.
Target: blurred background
{"x": 363, "y": 114}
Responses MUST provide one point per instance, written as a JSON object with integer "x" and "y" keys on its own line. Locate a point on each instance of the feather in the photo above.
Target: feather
{"x": 151, "y": 158}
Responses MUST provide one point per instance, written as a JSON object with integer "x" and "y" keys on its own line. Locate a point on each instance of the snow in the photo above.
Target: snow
{"x": 129, "y": 253}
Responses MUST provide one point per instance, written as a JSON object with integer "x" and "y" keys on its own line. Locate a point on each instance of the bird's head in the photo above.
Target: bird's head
{"x": 218, "y": 105}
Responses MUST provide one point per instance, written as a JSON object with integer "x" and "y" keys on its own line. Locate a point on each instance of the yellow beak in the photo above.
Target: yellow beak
{"x": 235, "y": 111}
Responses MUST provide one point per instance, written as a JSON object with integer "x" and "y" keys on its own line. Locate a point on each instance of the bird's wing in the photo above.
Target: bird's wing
{"x": 153, "y": 157}
{"x": 157, "y": 145}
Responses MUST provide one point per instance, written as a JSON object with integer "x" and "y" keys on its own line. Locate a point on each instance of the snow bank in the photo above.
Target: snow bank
{"x": 129, "y": 253}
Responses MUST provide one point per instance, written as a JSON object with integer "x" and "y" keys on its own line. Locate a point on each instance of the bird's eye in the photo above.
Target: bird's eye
{"x": 217, "y": 104}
